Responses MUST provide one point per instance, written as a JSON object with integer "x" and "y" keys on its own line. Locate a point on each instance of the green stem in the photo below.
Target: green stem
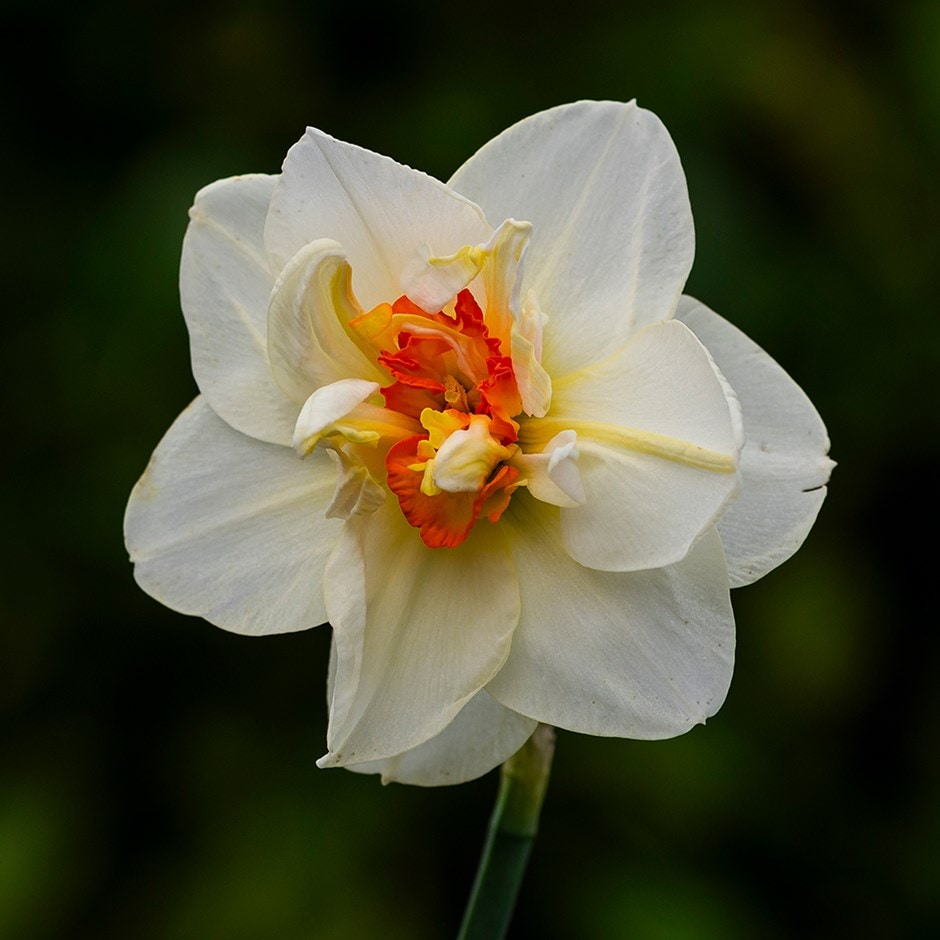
{"x": 513, "y": 826}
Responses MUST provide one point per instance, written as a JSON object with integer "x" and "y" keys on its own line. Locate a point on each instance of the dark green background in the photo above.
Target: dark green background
{"x": 157, "y": 776}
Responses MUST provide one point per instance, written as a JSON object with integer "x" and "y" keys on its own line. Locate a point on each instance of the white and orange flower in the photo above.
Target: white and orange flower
{"x": 478, "y": 429}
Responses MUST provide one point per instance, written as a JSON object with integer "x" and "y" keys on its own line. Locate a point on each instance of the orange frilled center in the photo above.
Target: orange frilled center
{"x": 445, "y": 370}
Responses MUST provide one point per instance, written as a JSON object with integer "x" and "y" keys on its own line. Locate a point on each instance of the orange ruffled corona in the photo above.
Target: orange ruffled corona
{"x": 451, "y": 375}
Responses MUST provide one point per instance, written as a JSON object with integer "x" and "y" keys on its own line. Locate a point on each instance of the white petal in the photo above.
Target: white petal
{"x": 659, "y": 439}
{"x": 480, "y": 738}
{"x": 642, "y": 654}
{"x": 224, "y": 287}
{"x": 502, "y": 276}
{"x": 612, "y": 239}
{"x": 433, "y": 282}
{"x": 380, "y": 211}
{"x": 309, "y": 340}
{"x": 783, "y": 467}
{"x": 418, "y": 632}
{"x": 357, "y": 491}
{"x": 535, "y": 384}
{"x": 552, "y": 475}
{"x": 326, "y": 406}
{"x": 232, "y": 529}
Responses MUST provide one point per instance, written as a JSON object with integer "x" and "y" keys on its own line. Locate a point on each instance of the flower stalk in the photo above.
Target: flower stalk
{"x": 510, "y": 836}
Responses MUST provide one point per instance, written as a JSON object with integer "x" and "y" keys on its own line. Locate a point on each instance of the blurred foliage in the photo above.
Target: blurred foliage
{"x": 158, "y": 775}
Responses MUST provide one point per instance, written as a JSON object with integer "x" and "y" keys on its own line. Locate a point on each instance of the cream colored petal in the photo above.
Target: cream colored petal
{"x": 225, "y": 284}
{"x": 642, "y": 654}
{"x": 535, "y": 384}
{"x": 612, "y": 239}
{"x": 783, "y": 466}
{"x": 480, "y": 738}
{"x": 309, "y": 341}
{"x": 325, "y": 407}
{"x": 502, "y": 276}
{"x": 433, "y": 282}
{"x": 232, "y": 529}
{"x": 380, "y": 211}
{"x": 357, "y": 493}
{"x": 418, "y": 632}
{"x": 640, "y": 511}
{"x": 659, "y": 435}
{"x": 552, "y": 476}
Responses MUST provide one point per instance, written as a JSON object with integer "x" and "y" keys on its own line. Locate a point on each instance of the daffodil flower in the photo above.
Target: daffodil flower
{"x": 478, "y": 428}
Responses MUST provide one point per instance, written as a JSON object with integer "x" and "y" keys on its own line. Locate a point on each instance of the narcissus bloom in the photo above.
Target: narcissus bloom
{"x": 478, "y": 429}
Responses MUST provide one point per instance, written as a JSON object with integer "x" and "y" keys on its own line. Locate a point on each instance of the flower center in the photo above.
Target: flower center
{"x": 452, "y": 376}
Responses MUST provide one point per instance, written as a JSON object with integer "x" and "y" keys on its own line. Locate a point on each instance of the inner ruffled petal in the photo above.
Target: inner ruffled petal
{"x": 310, "y": 340}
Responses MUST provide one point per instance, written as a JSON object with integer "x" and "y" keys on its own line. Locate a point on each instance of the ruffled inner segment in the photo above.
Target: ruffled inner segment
{"x": 451, "y": 375}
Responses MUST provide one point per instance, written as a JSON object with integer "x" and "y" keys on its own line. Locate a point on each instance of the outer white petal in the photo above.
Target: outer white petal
{"x": 612, "y": 239}
{"x": 380, "y": 211}
{"x": 480, "y": 738}
{"x": 224, "y": 286}
{"x": 659, "y": 438}
{"x": 418, "y": 632}
{"x": 784, "y": 467}
{"x": 309, "y": 341}
{"x": 642, "y": 654}
{"x": 232, "y": 529}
